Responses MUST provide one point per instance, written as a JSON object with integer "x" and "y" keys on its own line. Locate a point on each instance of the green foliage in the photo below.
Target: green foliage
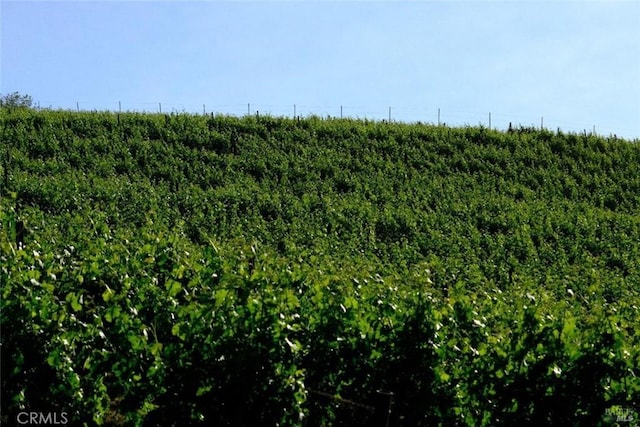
{"x": 205, "y": 270}
{"x": 16, "y": 100}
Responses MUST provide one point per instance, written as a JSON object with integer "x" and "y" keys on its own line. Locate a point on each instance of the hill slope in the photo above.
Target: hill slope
{"x": 484, "y": 277}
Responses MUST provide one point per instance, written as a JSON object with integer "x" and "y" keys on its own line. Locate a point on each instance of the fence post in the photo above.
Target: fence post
{"x": 382, "y": 408}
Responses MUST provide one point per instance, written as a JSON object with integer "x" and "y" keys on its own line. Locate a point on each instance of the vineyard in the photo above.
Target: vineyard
{"x": 177, "y": 270}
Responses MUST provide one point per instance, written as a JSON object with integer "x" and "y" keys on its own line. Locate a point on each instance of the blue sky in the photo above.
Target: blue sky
{"x": 574, "y": 63}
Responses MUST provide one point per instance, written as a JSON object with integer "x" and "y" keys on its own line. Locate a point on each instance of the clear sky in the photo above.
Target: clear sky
{"x": 574, "y": 63}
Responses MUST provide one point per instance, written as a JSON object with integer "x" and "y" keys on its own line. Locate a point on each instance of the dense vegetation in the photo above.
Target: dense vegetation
{"x": 186, "y": 270}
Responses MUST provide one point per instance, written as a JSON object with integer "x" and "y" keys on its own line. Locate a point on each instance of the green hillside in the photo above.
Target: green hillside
{"x": 214, "y": 270}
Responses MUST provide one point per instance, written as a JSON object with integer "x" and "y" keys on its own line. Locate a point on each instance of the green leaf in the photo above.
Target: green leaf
{"x": 175, "y": 329}
{"x": 173, "y": 287}
{"x": 112, "y": 313}
{"x": 107, "y": 294}
{"x": 136, "y": 342}
{"x": 72, "y": 299}
{"x": 156, "y": 349}
{"x": 53, "y": 359}
{"x": 203, "y": 390}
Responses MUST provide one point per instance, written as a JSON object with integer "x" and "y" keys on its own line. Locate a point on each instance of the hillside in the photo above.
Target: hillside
{"x": 238, "y": 271}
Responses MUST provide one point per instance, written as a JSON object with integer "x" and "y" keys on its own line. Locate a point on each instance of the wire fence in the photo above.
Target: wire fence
{"x": 433, "y": 115}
